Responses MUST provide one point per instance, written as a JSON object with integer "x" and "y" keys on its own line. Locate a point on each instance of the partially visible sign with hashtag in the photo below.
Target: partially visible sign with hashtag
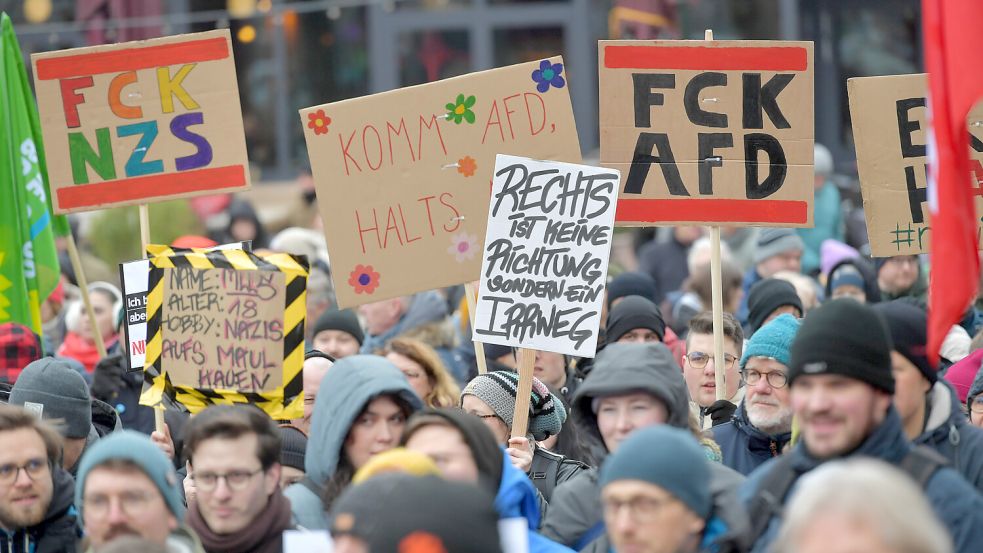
{"x": 889, "y": 129}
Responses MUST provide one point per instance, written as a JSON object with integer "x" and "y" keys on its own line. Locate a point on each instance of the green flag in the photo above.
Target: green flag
{"x": 29, "y": 268}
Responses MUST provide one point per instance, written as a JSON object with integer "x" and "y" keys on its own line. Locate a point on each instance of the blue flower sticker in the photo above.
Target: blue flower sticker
{"x": 548, "y": 75}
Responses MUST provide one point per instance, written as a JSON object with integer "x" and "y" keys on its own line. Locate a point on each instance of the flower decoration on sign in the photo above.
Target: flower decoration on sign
{"x": 548, "y": 75}
{"x": 422, "y": 542}
{"x": 460, "y": 109}
{"x": 363, "y": 279}
{"x": 318, "y": 121}
{"x": 467, "y": 166}
{"x": 463, "y": 246}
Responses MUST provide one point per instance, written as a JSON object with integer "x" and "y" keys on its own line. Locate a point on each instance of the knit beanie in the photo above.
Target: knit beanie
{"x": 847, "y": 338}
{"x": 908, "y": 326}
{"x": 774, "y": 340}
{"x": 397, "y": 459}
{"x": 631, "y": 284}
{"x": 344, "y": 320}
{"x": 499, "y": 388}
{"x": 667, "y": 457}
{"x": 846, "y": 275}
{"x": 52, "y": 388}
{"x": 774, "y": 241}
{"x": 634, "y": 312}
{"x": 129, "y": 445}
{"x": 293, "y": 447}
{"x": 768, "y": 295}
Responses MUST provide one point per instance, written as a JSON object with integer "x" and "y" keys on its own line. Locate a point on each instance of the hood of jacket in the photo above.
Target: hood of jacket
{"x": 346, "y": 389}
{"x": 425, "y": 307}
{"x": 105, "y": 419}
{"x": 871, "y": 289}
{"x": 626, "y": 368}
{"x": 887, "y": 442}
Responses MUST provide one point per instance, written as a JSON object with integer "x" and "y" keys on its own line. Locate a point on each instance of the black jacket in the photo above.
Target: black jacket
{"x": 949, "y": 433}
{"x": 59, "y": 532}
{"x": 743, "y": 446}
{"x": 549, "y": 470}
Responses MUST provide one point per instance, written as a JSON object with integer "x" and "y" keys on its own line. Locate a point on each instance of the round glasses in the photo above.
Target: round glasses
{"x": 699, "y": 360}
{"x": 33, "y": 468}
{"x": 236, "y": 479}
{"x": 775, "y": 379}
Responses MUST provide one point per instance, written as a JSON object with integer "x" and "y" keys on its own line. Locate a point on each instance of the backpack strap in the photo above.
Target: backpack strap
{"x": 921, "y": 462}
{"x": 767, "y": 500}
{"x": 544, "y": 471}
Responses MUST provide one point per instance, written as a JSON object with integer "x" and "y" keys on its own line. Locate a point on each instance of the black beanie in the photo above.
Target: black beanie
{"x": 768, "y": 295}
{"x": 844, "y": 337}
{"x": 294, "y": 447}
{"x": 634, "y": 312}
{"x": 631, "y": 284}
{"x": 907, "y": 323}
{"x": 340, "y": 319}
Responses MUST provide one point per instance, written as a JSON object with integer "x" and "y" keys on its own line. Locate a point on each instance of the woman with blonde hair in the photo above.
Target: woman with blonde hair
{"x": 425, "y": 371}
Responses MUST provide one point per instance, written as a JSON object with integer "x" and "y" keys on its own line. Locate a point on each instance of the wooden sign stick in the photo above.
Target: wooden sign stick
{"x": 520, "y": 418}
{"x": 471, "y": 291}
{"x": 73, "y": 255}
{"x": 144, "y": 240}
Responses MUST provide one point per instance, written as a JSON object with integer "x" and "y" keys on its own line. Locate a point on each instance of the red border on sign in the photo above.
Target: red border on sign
{"x": 132, "y": 59}
{"x": 703, "y": 58}
{"x": 790, "y": 212}
{"x": 154, "y": 186}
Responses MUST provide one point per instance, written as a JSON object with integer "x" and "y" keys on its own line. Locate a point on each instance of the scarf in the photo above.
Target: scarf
{"x": 82, "y": 350}
{"x": 263, "y": 535}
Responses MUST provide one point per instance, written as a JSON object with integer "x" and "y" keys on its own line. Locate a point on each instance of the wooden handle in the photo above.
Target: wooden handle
{"x": 717, "y": 294}
{"x": 73, "y": 255}
{"x": 520, "y": 418}
{"x": 471, "y": 291}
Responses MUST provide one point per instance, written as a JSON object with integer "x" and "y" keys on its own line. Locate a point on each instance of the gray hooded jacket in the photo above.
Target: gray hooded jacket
{"x": 348, "y": 387}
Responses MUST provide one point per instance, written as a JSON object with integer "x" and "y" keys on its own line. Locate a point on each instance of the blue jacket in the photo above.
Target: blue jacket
{"x": 517, "y": 497}
{"x": 949, "y": 433}
{"x": 743, "y": 446}
{"x": 958, "y": 506}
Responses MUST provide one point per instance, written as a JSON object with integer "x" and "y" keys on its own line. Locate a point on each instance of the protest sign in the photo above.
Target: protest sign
{"x": 889, "y": 119}
{"x": 546, "y": 255}
{"x": 709, "y": 132}
{"x": 140, "y": 121}
{"x": 133, "y": 278}
{"x": 403, "y": 177}
{"x": 226, "y": 326}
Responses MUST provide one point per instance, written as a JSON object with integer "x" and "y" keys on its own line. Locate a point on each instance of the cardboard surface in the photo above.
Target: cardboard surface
{"x": 141, "y": 121}
{"x": 889, "y": 130}
{"x": 709, "y": 132}
{"x": 546, "y": 255}
{"x": 403, "y": 189}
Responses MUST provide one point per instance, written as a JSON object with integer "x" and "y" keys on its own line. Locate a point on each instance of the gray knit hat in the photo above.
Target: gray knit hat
{"x": 773, "y": 241}
{"x": 53, "y": 389}
{"x": 499, "y": 388}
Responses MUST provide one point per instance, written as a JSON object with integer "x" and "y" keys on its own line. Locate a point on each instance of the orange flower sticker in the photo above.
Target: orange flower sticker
{"x": 467, "y": 166}
{"x": 363, "y": 279}
{"x": 422, "y": 542}
{"x": 318, "y": 121}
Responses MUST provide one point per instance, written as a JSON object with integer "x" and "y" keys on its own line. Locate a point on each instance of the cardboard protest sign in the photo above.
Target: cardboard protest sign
{"x": 226, "y": 326}
{"x": 546, "y": 255}
{"x": 889, "y": 119}
{"x": 403, "y": 177}
{"x": 709, "y": 132}
{"x": 133, "y": 278}
{"x": 141, "y": 121}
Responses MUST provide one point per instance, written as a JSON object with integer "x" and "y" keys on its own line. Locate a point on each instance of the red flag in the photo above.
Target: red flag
{"x": 955, "y": 82}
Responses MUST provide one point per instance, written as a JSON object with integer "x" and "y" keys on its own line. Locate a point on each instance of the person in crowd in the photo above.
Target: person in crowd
{"x": 554, "y": 370}
{"x": 244, "y": 224}
{"x": 665, "y": 261}
{"x": 293, "y": 452}
{"x": 465, "y": 450}
{"x": 655, "y": 492}
{"x": 860, "y": 505}
{"x": 500, "y": 358}
{"x": 19, "y": 346}
{"x": 36, "y": 494}
{"x": 362, "y": 413}
{"x": 632, "y": 386}
{"x": 808, "y": 290}
{"x": 974, "y": 401}
{"x": 79, "y": 343}
{"x": 635, "y": 319}
{"x": 827, "y": 212}
{"x": 127, "y": 487}
{"x": 397, "y": 459}
{"x": 415, "y": 514}
{"x": 698, "y": 369}
{"x": 853, "y": 278}
{"x": 697, "y": 295}
{"x": 779, "y": 249}
{"x": 762, "y": 426}
{"x": 491, "y": 397}
{"x": 234, "y": 451}
{"x": 424, "y": 370}
{"x": 841, "y": 389}
{"x": 570, "y": 443}
{"x": 53, "y": 313}
{"x": 769, "y": 298}
{"x": 337, "y": 333}
{"x": 626, "y": 284}
{"x": 900, "y": 276}
{"x": 316, "y": 366}
{"x": 930, "y": 412}
{"x": 53, "y": 390}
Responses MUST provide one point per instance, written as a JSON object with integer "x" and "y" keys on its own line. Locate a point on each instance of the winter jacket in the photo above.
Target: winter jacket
{"x": 949, "y": 433}
{"x": 958, "y": 506}
{"x": 517, "y": 497}
{"x": 549, "y": 470}
{"x": 348, "y": 387}
{"x": 59, "y": 532}
{"x": 743, "y": 446}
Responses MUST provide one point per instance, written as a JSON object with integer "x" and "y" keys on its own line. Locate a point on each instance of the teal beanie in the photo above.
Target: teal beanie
{"x": 774, "y": 340}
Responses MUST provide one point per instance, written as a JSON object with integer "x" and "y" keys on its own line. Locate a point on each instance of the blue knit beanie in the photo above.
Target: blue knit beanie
{"x": 774, "y": 339}
{"x": 667, "y": 457}
{"x": 129, "y": 445}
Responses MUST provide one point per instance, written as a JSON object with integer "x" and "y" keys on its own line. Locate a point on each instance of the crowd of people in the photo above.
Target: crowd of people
{"x": 834, "y": 432}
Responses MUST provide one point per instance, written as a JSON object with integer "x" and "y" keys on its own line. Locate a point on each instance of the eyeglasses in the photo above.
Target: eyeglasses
{"x": 33, "y": 468}
{"x": 236, "y": 480}
{"x": 640, "y": 509}
{"x": 131, "y": 503}
{"x": 699, "y": 360}
{"x": 775, "y": 379}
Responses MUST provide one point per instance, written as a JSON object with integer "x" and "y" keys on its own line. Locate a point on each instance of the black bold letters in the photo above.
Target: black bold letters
{"x": 645, "y": 98}
{"x": 759, "y": 98}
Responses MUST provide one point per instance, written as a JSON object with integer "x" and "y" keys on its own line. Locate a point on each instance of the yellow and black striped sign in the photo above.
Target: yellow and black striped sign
{"x": 283, "y": 402}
